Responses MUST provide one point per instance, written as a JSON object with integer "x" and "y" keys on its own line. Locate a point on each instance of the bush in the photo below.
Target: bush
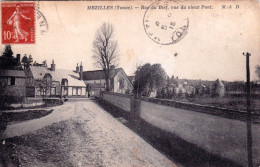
{"x": 6, "y": 100}
{"x": 128, "y": 91}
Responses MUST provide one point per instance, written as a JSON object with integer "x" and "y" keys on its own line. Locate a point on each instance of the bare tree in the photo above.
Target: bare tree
{"x": 105, "y": 51}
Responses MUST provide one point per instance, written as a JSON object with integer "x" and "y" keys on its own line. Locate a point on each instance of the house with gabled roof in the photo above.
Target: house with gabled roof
{"x": 95, "y": 81}
{"x": 218, "y": 88}
{"x": 43, "y": 81}
{"x": 131, "y": 79}
{"x": 12, "y": 78}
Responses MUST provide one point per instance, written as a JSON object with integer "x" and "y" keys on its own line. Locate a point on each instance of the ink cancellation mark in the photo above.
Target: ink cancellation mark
{"x": 18, "y": 23}
{"x": 163, "y": 25}
{"x": 41, "y": 21}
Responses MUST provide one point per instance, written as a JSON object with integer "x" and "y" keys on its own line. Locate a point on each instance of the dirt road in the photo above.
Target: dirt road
{"x": 80, "y": 134}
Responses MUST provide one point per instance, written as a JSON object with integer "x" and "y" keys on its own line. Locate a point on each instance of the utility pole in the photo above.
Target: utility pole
{"x": 249, "y": 129}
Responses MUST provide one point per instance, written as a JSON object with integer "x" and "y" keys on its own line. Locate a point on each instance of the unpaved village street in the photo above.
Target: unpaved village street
{"x": 77, "y": 134}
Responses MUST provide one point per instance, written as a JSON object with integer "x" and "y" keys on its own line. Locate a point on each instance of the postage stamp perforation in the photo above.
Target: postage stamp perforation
{"x": 18, "y": 22}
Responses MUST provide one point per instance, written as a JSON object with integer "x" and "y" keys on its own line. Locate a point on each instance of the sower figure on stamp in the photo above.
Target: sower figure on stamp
{"x": 15, "y": 20}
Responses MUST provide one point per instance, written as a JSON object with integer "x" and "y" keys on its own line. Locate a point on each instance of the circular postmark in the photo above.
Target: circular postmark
{"x": 41, "y": 21}
{"x": 163, "y": 24}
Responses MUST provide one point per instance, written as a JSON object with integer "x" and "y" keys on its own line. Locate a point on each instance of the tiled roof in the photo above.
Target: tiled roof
{"x": 57, "y": 75}
{"x": 98, "y": 74}
{"x": 12, "y": 73}
{"x": 95, "y": 85}
{"x": 39, "y": 72}
{"x": 131, "y": 78}
{"x": 218, "y": 83}
{"x": 192, "y": 82}
{"x": 93, "y": 75}
{"x": 201, "y": 85}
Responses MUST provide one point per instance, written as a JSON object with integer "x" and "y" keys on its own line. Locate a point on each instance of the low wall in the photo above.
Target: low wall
{"x": 29, "y": 102}
{"x": 219, "y": 131}
{"x": 119, "y": 100}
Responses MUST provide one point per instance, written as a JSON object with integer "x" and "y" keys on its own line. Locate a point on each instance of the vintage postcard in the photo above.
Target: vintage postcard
{"x": 158, "y": 83}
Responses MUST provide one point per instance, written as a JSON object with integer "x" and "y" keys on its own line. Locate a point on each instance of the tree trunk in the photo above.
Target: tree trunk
{"x": 107, "y": 80}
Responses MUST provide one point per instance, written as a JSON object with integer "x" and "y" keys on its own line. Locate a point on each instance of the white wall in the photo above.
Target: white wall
{"x": 128, "y": 85}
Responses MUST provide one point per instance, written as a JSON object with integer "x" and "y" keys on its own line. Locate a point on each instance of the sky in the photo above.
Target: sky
{"x": 211, "y": 49}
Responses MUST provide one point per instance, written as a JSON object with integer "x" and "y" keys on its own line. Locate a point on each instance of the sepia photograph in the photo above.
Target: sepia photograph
{"x": 130, "y": 83}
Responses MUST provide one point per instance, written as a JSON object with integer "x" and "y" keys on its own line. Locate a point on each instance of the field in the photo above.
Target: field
{"x": 236, "y": 103}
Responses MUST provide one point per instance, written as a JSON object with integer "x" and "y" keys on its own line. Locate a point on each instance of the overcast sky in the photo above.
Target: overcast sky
{"x": 211, "y": 49}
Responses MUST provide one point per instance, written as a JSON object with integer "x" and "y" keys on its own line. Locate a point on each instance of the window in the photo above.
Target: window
{"x": 3, "y": 81}
{"x": 2, "y": 84}
{"x": 43, "y": 91}
{"x": 65, "y": 92}
{"x": 53, "y": 91}
{"x": 79, "y": 91}
{"x": 76, "y": 91}
{"x": 64, "y": 82}
{"x": 47, "y": 79}
{"x": 11, "y": 81}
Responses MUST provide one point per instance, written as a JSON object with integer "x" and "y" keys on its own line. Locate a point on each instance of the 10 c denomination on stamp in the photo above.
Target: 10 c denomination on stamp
{"x": 164, "y": 25}
{"x": 18, "y": 23}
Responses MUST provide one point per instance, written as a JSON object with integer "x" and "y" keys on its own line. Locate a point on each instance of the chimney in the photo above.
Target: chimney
{"x": 112, "y": 67}
{"x": 18, "y": 58}
{"x": 52, "y": 66}
{"x": 77, "y": 68}
{"x": 81, "y": 72}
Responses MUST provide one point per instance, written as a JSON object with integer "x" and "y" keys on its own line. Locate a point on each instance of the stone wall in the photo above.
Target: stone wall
{"x": 119, "y": 100}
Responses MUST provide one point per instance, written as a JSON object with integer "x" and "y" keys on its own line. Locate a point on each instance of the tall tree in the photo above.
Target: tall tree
{"x": 105, "y": 51}
{"x": 26, "y": 61}
{"x": 7, "y": 61}
{"x": 149, "y": 78}
{"x": 8, "y": 51}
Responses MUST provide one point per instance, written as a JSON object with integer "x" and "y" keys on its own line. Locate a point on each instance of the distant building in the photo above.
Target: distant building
{"x": 12, "y": 77}
{"x": 180, "y": 86}
{"x": 218, "y": 88}
{"x": 119, "y": 81}
{"x": 200, "y": 88}
{"x": 43, "y": 81}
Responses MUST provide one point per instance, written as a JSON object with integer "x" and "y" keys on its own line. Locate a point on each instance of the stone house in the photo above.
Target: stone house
{"x": 12, "y": 77}
{"x": 119, "y": 81}
{"x": 52, "y": 82}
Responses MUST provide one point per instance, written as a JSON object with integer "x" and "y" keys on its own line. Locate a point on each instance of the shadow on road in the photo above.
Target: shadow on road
{"x": 172, "y": 146}
{"x": 27, "y": 115}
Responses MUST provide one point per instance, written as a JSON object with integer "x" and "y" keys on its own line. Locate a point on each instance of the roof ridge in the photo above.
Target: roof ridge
{"x": 102, "y": 70}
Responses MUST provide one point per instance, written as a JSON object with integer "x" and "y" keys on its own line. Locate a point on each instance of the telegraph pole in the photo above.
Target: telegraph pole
{"x": 249, "y": 130}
